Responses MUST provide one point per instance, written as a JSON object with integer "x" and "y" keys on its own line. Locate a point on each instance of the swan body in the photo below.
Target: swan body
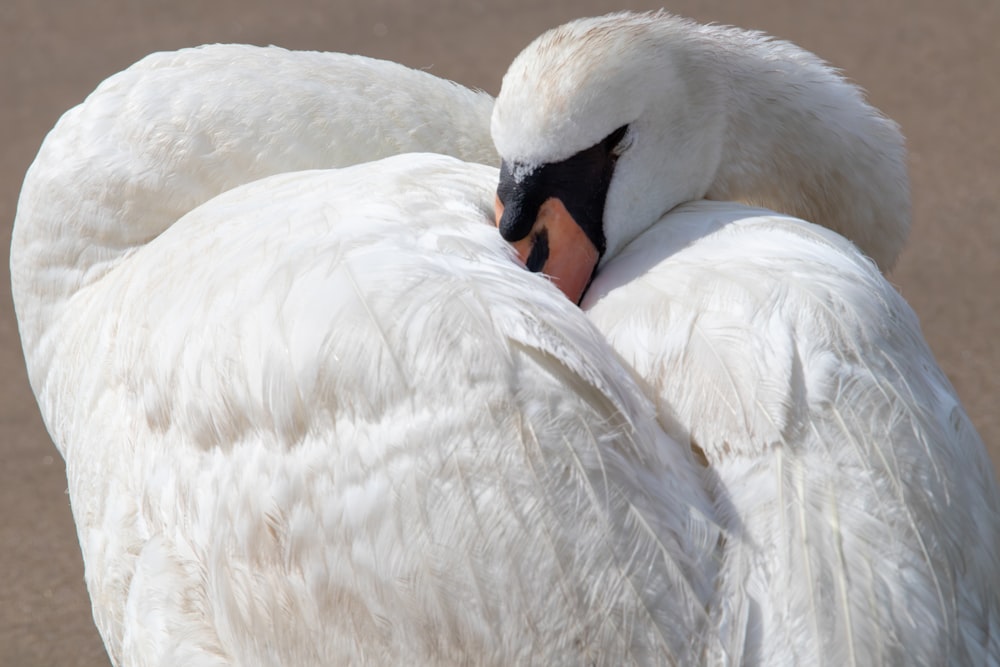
{"x": 297, "y": 429}
{"x": 858, "y": 503}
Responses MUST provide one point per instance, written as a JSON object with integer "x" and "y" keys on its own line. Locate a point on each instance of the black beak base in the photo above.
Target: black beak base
{"x": 581, "y": 182}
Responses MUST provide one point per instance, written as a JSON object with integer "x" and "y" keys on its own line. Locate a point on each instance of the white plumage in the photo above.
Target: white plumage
{"x": 859, "y": 506}
{"x": 859, "y": 503}
{"x": 324, "y": 417}
{"x": 721, "y": 113}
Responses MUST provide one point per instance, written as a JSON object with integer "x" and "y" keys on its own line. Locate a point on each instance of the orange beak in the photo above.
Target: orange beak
{"x": 572, "y": 256}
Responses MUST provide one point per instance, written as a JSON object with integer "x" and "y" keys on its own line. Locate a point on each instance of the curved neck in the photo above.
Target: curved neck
{"x": 732, "y": 115}
{"x": 801, "y": 140}
{"x": 176, "y": 129}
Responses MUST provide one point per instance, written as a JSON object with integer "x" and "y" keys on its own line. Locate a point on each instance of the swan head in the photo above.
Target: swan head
{"x": 605, "y": 124}
{"x": 581, "y": 113}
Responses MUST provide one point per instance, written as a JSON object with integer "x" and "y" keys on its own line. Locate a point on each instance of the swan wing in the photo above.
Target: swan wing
{"x": 860, "y": 505}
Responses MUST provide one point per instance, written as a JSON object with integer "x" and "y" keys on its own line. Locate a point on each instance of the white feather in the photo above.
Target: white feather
{"x": 860, "y": 505}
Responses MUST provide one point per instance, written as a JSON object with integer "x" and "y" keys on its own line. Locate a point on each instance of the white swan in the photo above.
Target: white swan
{"x": 323, "y": 418}
{"x": 860, "y": 506}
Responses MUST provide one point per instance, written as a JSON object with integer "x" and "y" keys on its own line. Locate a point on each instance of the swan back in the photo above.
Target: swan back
{"x": 713, "y": 112}
{"x": 175, "y": 129}
{"x": 385, "y": 443}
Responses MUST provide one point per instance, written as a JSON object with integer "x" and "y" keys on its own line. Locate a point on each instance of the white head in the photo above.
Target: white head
{"x": 704, "y": 111}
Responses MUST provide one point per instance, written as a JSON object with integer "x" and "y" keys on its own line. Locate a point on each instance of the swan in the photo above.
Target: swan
{"x": 319, "y": 416}
{"x": 858, "y": 504}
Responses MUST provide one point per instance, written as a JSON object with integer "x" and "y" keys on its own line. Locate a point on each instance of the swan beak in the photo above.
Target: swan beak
{"x": 558, "y": 247}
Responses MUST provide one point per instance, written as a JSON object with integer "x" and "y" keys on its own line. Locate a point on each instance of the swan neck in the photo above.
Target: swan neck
{"x": 157, "y": 140}
{"x": 801, "y": 140}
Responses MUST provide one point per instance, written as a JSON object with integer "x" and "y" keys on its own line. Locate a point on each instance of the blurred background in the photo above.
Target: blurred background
{"x": 932, "y": 66}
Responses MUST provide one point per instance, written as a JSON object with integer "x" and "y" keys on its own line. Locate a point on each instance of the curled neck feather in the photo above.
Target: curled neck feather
{"x": 714, "y": 112}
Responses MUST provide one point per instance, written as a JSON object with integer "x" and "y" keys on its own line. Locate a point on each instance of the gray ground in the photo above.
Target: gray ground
{"x": 933, "y": 66}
